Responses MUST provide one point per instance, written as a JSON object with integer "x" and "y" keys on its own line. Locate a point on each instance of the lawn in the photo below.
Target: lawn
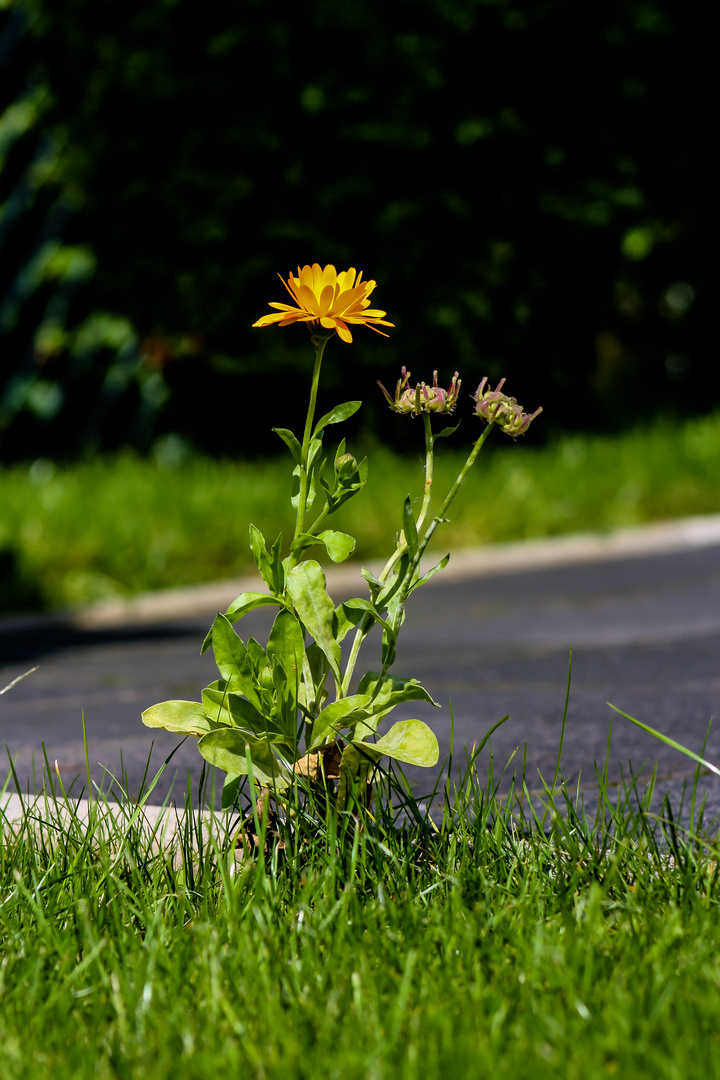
{"x": 123, "y": 524}
{"x": 484, "y": 947}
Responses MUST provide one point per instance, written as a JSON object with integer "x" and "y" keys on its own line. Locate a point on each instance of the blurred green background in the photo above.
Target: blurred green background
{"x": 528, "y": 182}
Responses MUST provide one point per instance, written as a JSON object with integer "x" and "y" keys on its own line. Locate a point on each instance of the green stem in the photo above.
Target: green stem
{"x": 429, "y": 462}
{"x": 320, "y": 344}
{"x": 445, "y": 506}
{"x": 437, "y": 520}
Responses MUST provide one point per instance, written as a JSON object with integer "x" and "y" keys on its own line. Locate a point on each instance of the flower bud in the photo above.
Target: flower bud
{"x": 423, "y": 398}
{"x": 494, "y": 407}
{"x": 346, "y": 467}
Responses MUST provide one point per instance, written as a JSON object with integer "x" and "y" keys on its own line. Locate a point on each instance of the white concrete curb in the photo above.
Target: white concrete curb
{"x": 199, "y": 601}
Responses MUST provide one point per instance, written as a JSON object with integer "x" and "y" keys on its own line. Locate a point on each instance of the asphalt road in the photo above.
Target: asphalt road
{"x": 644, "y": 631}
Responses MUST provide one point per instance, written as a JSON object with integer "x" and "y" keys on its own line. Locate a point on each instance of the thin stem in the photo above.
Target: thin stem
{"x": 429, "y": 461}
{"x": 445, "y": 506}
{"x": 320, "y": 344}
{"x": 437, "y": 520}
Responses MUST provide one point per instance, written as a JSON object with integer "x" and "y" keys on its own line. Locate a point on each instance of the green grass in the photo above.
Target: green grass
{"x": 119, "y": 525}
{"x": 481, "y": 948}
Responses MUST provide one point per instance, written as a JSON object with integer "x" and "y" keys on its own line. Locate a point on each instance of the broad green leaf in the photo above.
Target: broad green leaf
{"x": 286, "y": 647}
{"x": 232, "y": 710}
{"x": 339, "y": 545}
{"x": 233, "y": 661}
{"x": 338, "y": 714}
{"x": 229, "y": 649}
{"x": 240, "y": 606}
{"x": 226, "y": 748}
{"x": 287, "y": 643}
{"x": 306, "y": 586}
{"x": 410, "y": 741}
{"x": 410, "y": 528}
{"x": 247, "y": 602}
{"x": 183, "y": 717}
{"x": 391, "y": 690}
{"x": 337, "y": 415}
{"x": 290, "y": 441}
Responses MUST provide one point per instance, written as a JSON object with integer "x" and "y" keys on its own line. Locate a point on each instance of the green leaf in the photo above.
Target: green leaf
{"x": 339, "y": 545}
{"x": 258, "y": 656}
{"x": 290, "y": 441}
{"x": 306, "y": 586}
{"x": 261, "y": 557}
{"x": 354, "y": 610}
{"x": 182, "y": 717}
{"x": 226, "y": 748}
{"x": 240, "y": 606}
{"x": 410, "y": 741}
{"x": 338, "y": 714}
{"x": 233, "y": 661}
{"x": 410, "y": 528}
{"x": 446, "y": 432}
{"x": 228, "y": 709}
{"x": 287, "y": 643}
{"x": 276, "y": 567}
{"x": 392, "y": 587}
{"x": 431, "y": 573}
{"x": 346, "y": 619}
{"x": 286, "y": 648}
{"x": 230, "y": 790}
{"x": 337, "y": 415}
{"x": 391, "y": 690}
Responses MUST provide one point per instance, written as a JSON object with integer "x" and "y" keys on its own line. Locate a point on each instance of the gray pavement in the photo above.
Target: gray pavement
{"x": 492, "y": 638}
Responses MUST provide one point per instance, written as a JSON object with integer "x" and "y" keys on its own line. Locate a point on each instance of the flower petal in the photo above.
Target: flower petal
{"x": 268, "y": 320}
{"x": 342, "y": 330}
{"x": 326, "y": 299}
{"x": 308, "y": 300}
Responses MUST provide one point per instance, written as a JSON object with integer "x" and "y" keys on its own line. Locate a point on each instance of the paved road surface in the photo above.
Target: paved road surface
{"x": 645, "y": 633}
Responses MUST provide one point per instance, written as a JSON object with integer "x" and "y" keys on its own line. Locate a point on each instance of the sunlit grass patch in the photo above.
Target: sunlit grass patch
{"x": 480, "y": 945}
{"x": 123, "y": 524}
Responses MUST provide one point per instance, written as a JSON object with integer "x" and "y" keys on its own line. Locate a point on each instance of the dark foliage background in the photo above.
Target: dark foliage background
{"x": 528, "y": 182}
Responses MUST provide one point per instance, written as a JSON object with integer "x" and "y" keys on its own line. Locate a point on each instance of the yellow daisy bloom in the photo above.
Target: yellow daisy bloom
{"x": 329, "y": 299}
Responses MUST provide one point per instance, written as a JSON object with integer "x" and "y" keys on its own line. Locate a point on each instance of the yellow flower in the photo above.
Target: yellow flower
{"x": 329, "y": 299}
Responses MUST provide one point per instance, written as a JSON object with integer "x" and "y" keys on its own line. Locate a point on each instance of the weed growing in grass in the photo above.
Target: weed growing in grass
{"x": 476, "y": 945}
{"x": 284, "y": 714}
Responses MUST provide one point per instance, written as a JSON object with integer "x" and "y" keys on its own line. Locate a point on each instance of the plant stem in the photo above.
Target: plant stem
{"x": 367, "y": 623}
{"x": 320, "y": 344}
{"x": 445, "y": 506}
{"x": 429, "y": 462}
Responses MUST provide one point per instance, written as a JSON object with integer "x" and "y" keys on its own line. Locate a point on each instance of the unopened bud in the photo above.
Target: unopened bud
{"x": 346, "y": 466}
{"x": 494, "y": 407}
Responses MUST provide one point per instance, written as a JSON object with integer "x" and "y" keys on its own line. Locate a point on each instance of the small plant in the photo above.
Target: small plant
{"x": 284, "y": 713}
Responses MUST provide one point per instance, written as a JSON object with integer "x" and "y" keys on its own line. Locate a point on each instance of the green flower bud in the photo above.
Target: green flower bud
{"x": 494, "y": 407}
